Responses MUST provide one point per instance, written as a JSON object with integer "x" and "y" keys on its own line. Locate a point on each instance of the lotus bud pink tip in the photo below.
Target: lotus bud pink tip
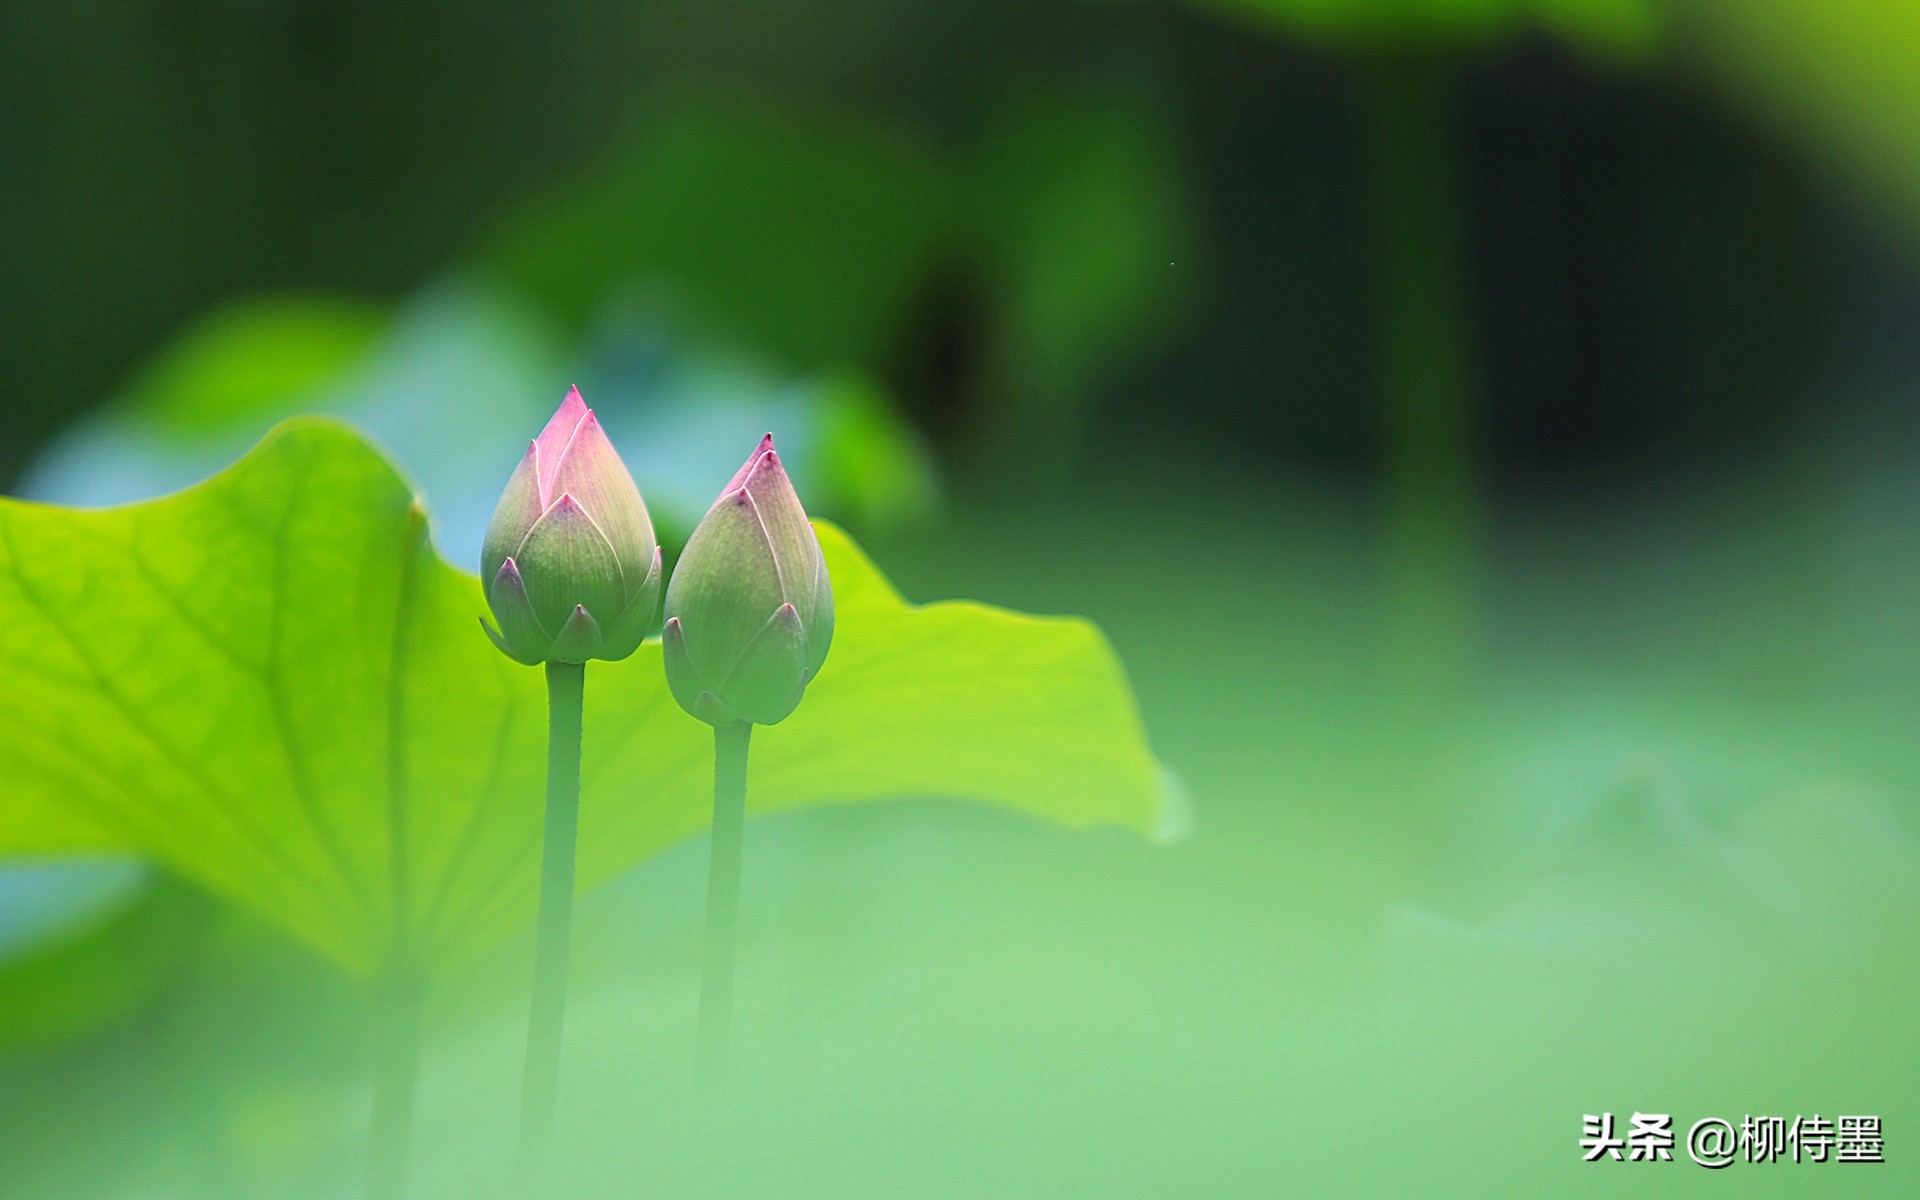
{"x": 750, "y": 608}
{"x": 570, "y": 563}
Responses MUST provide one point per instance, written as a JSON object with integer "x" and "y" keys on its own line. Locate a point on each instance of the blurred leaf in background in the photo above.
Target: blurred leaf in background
{"x": 742, "y": 267}
{"x": 802, "y": 234}
{"x": 1842, "y": 78}
{"x": 253, "y": 360}
{"x": 1080, "y": 238}
{"x": 465, "y": 356}
{"x": 818, "y": 241}
{"x": 1626, "y": 29}
{"x": 83, "y": 946}
{"x": 454, "y": 357}
{"x": 681, "y": 403}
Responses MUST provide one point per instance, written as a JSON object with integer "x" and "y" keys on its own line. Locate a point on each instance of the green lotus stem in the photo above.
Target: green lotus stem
{"x": 575, "y": 575}
{"x": 749, "y": 621}
{"x": 566, "y": 685}
{"x": 1426, "y": 400}
{"x": 730, "y": 743}
{"x": 396, "y": 1069}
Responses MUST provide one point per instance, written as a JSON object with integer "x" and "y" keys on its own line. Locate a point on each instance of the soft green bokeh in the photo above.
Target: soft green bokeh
{"x": 1841, "y": 78}
{"x": 464, "y": 353}
{"x": 253, "y": 360}
{"x": 1082, "y": 229}
{"x": 1615, "y": 28}
{"x": 801, "y": 233}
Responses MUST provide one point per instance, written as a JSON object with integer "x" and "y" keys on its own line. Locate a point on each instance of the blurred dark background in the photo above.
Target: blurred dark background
{"x": 1651, "y": 282}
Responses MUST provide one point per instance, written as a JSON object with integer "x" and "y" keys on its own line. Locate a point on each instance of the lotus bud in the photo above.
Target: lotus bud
{"x": 571, "y": 565}
{"x": 750, "y": 609}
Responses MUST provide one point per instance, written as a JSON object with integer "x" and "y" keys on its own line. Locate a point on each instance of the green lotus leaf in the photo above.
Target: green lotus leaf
{"x": 272, "y": 685}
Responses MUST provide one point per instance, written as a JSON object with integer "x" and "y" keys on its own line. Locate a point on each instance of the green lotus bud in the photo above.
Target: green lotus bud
{"x": 573, "y": 570}
{"x": 750, "y": 610}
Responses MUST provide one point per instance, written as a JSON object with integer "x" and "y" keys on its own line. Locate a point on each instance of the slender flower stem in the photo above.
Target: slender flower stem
{"x": 1431, "y": 420}
{"x": 566, "y": 685}
{"x": 723, "y": 892}
{"x": 396, "y": 1069}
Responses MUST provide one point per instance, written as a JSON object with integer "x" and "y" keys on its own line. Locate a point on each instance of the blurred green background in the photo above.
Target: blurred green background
{"x": 1486, "y": 428}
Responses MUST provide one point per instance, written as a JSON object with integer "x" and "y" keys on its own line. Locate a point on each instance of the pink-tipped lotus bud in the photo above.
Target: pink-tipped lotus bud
{"x": 571, "y": 568}
{"x": 750, "y": 610}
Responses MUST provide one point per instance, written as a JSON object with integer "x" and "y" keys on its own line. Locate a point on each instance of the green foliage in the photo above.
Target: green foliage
{"x": 467, "y": 355}
{"x": 1841, "y": 78}
{"x": 802, "y": 235}
{"x": 1616, "y": 28}
{"x": 1081, "y": 236}
{"x": 833, "y": 243}
{"x": 78, "y": 980}
{"x": 272, "y": 684}
{"x": 255, "y": 359}
{"x": 870, "y": 464}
